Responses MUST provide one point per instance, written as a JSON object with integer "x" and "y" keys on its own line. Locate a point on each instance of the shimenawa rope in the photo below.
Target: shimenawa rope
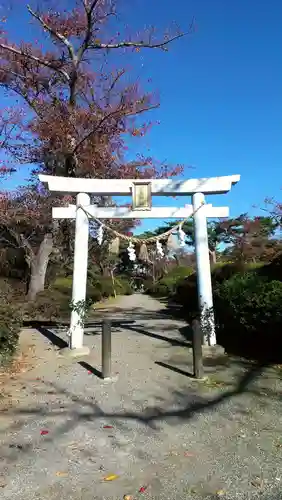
{"x": 135, "y": 239}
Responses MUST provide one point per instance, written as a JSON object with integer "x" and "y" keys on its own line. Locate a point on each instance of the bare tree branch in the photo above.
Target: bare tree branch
{"x": 21, "y": 242}
{"x": 43, "y": 62}
{"x": 114, "y": 82}
{"x": 55, "y": 34}
{"x": 8, "y": 242}
{"x": 89, "y": 12}
{"x": 4, "y": 143}
{"x": 119, "y": 45}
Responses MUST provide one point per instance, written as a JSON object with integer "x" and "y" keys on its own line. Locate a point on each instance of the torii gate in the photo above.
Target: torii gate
{"x": 196, "y": 188}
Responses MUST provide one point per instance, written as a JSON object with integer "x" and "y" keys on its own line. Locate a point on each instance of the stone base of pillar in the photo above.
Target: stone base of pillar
{"x": 80, "y": 352}
{"x": 213, "y": 350}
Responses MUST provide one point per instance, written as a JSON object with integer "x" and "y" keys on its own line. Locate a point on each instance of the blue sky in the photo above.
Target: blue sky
{"x": 220, "y": 92}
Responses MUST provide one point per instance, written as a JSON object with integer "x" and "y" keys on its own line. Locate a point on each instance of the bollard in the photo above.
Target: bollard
{"x": 197, "y": 350}
{"x": 106, "y": 348}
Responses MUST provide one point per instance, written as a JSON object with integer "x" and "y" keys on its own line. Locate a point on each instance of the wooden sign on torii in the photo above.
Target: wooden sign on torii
{"x": 197, "y": 188}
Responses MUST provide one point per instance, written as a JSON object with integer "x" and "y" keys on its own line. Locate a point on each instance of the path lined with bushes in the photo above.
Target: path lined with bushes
{"x": 152, "y": 430}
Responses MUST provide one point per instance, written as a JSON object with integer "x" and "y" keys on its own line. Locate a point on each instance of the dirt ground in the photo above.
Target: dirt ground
{"x": 152, "y": 431}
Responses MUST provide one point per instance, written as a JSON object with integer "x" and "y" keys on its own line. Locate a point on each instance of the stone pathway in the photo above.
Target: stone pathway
{"x": 63, "y": 430}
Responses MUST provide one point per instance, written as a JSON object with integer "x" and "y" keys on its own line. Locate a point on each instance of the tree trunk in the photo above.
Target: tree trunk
{"x": 213, "y": 256}
{"x": 177, "y": 259}
{"x": 38, "y": 267}
{"x": 104, "y": 270}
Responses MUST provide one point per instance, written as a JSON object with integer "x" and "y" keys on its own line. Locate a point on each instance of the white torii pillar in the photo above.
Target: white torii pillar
{"x": 79, "y": 279}
{"x": 203, "y": 266}
{"x": 123, "y": 187}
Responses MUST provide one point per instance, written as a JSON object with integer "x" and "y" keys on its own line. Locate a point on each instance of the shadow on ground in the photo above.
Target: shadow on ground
{"x": 72, "y": 410}
{"x": 256, "y": 360}
{"x": 95, "y": 317}
{"x": 190, "y": 403}
{"x": 261, "y": 346}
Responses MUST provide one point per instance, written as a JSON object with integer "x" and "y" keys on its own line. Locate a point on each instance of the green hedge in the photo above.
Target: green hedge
{"x": 64, "y": 286}
{"x": 186, "y": 289}
{"x": 181, "y": 283}
{"x": 55, "y": 301}
{"x": 49, "y": 305}
{"x": 10, "y": 325}
{"x": 251, "y": 301}
{"x": 166, "y": 286}
{"x": 103, "y": 286}
{"x": 248, "y": 313}
{"x": 247, "y": 306}
{"x": 273, "y": 270}
{"x": 98, "y": 287}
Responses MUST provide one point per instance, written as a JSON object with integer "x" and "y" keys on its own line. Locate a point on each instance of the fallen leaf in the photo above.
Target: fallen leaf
{"x": 61, "y": 474}
{"x": 143, "y": 489}
{"x": 257, "y": 482}
{"x": 44, "y": 432}
{"x": 128, "y": 497}
{"x": 188, "y": 454}
{"x": 220, "y": 493}
{"x": 73, "y": 444}
{"x": 107, "y": 426}
{"x": 111, "y": 477}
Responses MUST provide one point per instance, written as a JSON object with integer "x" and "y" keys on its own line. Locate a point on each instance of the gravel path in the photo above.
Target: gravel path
{"x": 63, "y": 429}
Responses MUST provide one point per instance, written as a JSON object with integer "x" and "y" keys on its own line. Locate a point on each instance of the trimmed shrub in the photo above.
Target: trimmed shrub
{"x": 226, "y": 271}
{"x": 247, "y": 306}
{"x": 273, "y": 270}
{"x": 167, "y": 285}
{"x": 55, "y": 302}
{"x": 10, "y": 325}
{"x": 186, "y": 290}
{"x": 123, "y": 285}
{"x": 97, "y": 288}
{"x": 104, "y": 286}
{"x": 49, "y": 305}
{"x": 248, "y": 311}
{"x": 62, "y": 284}
{"x": 186, "y": 295}
{"x": 253, "y": 302}
{"x": 157, "y": 289}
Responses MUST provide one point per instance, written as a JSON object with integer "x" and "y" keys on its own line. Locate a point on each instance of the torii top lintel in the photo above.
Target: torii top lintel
{"x": 123, "y": 187}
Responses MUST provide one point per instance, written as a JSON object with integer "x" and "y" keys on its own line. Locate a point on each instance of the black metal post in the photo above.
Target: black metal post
{"x": 106, "y": 348}
{"x": 197, "y": 349}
